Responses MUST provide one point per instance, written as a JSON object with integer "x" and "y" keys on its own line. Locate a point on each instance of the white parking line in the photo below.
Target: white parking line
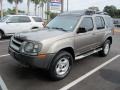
{"x": 4, "y": 41}
{"x": 2, "y": 84}
{"x": 4, "y": 55}
{"x": 88, "y": 74}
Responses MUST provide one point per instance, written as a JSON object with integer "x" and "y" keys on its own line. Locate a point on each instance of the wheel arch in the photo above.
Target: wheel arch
{"x": 67, "y": 49}
{"x": 2, "y": 31}
{"x": 109, "y": 38}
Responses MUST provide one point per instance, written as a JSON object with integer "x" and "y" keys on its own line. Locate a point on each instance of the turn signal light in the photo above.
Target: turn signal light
{"x": 42, "y": 56}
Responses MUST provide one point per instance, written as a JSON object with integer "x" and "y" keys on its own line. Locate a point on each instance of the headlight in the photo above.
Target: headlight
{"x": 31, "y": 48}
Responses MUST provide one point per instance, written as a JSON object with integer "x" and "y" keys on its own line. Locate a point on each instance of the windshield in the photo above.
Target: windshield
{"x": 66, "y": 23}
{"x": 4, "y": 19}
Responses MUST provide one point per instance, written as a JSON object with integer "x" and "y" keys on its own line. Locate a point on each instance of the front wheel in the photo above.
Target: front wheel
{"x": 61, "y": 65}
{"x": 105, "y": 49}
{"x": 1, "y": 35}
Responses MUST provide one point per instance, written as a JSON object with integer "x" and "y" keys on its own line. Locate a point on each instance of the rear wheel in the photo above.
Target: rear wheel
{"x": 105, "y": 49}
{"x": 61, "y": 65}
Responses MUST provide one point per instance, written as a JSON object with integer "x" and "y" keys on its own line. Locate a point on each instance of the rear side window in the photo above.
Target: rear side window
{"x": 100, "y": 24}
{"x": 37, "y": 19}
{"x": 87, "y": 23}
{"x": 24, "y": 19}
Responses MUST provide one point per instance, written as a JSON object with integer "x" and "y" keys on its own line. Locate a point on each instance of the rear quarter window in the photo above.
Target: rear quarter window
{"x": 109, "y": 22}
{"x": 37, "y": 19}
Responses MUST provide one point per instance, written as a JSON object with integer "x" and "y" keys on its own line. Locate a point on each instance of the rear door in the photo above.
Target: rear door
{"x": 85, "y": 41}
{"x": 99, "y": 30}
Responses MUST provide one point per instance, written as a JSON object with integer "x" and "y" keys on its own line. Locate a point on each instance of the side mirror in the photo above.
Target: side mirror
{"x": 81, "y": 30}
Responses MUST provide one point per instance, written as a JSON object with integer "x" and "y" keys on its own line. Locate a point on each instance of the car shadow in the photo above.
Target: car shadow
{"x": 28, "y": 73}
{"x": 110, "y": 75}
{"x": 6, "y": 38}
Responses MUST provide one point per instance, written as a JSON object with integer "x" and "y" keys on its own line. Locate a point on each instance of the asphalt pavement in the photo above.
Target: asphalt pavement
{"x": 17, "y": 77}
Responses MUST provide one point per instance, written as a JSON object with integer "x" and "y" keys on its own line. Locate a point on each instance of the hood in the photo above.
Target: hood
{"x": 2, "y": 23}
{"x": 42, "y": 34}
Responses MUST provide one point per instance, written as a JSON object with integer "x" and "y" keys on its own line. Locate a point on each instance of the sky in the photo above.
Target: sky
{"x": 73, "y": 4}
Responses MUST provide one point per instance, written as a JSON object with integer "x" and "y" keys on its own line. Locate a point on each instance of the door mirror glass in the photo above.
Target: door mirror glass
{"x": 81, "y": 30}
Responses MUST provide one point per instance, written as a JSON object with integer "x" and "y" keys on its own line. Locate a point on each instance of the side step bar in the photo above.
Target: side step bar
{"x": 88, "y": 54}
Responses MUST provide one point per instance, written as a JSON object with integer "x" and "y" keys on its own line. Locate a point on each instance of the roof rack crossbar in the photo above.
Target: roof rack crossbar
{"x": 85, "y": 12}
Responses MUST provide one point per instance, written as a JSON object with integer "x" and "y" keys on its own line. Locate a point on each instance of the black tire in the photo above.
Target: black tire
{"x": 54, "y": 65}
{"x": 1, "y": 35}
{"x": 104, "y": 53}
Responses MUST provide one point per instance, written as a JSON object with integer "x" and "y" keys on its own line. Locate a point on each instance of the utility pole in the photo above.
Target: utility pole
{"x": 39, "y": 10}
{"x": 28, "y": 7}
{"x": 67, "y": 5}
{"x": 1, "y": 2}
{"x": 62, "y": 6}
{"x": 48, "y": 9}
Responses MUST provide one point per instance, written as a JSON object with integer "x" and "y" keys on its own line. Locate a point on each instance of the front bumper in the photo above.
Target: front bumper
{"x": 43, "y": 63}
{"x": 9, "y": 34}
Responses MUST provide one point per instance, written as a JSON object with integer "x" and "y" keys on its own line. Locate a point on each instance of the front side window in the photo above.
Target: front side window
{"x": 4, "y": 18}
{"x": 19, "y": 19}
{"x": 100, "y": 24}
{"x": 14, "y": 19}
{"x": 64, "y": 22}
{"x": 87, "y": 24}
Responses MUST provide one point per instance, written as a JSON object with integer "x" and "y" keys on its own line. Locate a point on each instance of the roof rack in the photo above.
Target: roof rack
{"x": 102, "y": 13}
{"x": 85, "y": 12}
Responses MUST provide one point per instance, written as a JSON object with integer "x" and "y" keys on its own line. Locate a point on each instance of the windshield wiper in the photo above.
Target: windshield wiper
{"x": 59, "y": 28}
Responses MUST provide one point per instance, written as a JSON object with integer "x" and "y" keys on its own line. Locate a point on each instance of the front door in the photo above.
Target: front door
{"x": 85, "y": 39}
{"x": 17, "y": 24}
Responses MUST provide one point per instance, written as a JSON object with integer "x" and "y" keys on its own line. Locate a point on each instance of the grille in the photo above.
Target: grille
{"x": 16, "y": 43}
{"x": 18, "y": 39}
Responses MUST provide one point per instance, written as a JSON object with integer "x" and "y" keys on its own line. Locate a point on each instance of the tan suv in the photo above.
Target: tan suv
{"x": 68, "y": 37}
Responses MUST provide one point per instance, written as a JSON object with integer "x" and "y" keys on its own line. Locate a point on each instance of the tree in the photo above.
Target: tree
{"x": 111, "y": 10}
{"x": 94, "y": 8}
{"x": 13, "y": 11}
{"x": 16, "y": 4}
{"x": 42, "y": 4}
{"x": 36, "y": 2}
{"x": 1, "y": 9}
{"x": 28, "y": 7}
